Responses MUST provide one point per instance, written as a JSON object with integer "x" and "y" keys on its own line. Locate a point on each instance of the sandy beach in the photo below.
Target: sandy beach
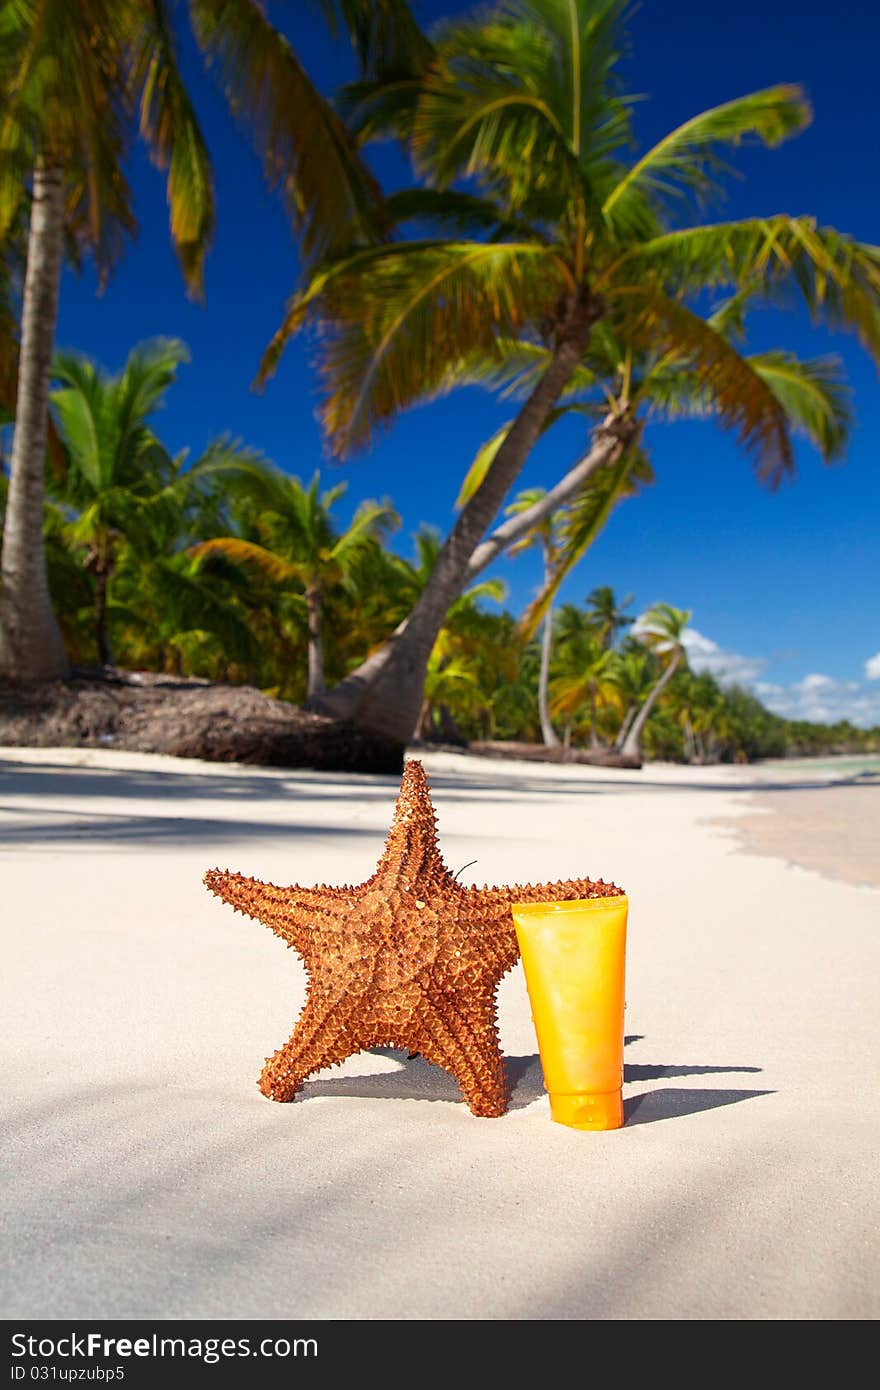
{"x": 146, "y": 1177}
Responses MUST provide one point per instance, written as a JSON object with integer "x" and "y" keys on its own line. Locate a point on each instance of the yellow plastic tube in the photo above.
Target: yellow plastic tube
{"x": 574, "y": 960}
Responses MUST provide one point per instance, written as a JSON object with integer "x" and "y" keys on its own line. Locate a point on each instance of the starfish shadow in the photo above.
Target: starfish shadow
{"x": 414, "y": 1078}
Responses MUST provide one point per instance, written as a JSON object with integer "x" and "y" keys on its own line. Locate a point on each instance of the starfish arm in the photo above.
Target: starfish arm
{"x": 323, "y": 1037}
{"x": 564, "y": 890}
{"x": 288, "y": 912}
{"x": 491, "y": 909}
{"x": 493, "y": 943}
{"x": 469, "y": 1049}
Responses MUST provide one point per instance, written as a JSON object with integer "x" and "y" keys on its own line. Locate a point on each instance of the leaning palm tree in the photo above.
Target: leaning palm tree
{"x": 296, "y": 545}
{"x": 77, "y": 83}
{"x": 634, "y": 682}
{"x": 567, "y": 232}
{"x": 661, "y": 629}
{"x": 545, "y": 533}
{"x": 807, "y": 398}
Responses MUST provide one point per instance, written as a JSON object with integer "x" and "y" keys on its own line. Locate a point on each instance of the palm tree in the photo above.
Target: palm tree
{"x": 174, "y": 613}
{"x": 661, "y": 629}
{"x": 634, "y": 682}
{"x": 299, "y": 548}
{"x": 607, "y": 614}
{"x": 546, "y": 534}
{"x": 454, "y": 684}
{"x": 808, "y": 398}
{"x": 526, "y": 104}
{"x": 701, "y": 710}
{"x": 76, "y": 82}
{"x": 586, "y": 677}
{"x": 119, "y": 475}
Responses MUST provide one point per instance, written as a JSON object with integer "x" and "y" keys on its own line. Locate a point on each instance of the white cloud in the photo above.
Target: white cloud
{"x": 811, "y": 684}
{"x": 823, "y": 700}
{"x": 729, "y": 668}
{"x": 818, "y": 698}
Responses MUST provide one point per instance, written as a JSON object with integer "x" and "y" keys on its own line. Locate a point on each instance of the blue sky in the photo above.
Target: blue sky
{"x": 783, "y": 587}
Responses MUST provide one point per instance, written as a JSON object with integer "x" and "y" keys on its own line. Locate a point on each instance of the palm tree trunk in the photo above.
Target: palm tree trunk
{"x": 547, "y": 730}
{"x": 594, "y": 740}
{"x": 105, "y": 653}
{"x": 31, "y": 646}
{"x": 385, "y": 692}
{"x": 690, "y": 741}
{"x": 630, "y": 747}
{"x": 628, "y": 718}
{"x": 315, "y": 686}
{"x": 424, "y": 727}
{"x": 609, "y": 440}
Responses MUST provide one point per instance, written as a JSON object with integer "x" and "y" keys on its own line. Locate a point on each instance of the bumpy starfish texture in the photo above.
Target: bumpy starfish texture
{"x": 410, "y": 959}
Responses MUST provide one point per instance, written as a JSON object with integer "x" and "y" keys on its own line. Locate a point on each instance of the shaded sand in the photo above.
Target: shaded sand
{"x": 146, "y": 1177}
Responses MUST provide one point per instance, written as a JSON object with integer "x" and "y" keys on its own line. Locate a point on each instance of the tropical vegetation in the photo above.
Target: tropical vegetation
{"x": 79, "y": 83}
{"x": 540, "y": 254}
{"x": 231, "y": 569}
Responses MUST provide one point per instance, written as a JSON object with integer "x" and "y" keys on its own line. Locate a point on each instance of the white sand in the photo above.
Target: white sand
{"x": 146, "y": 1177}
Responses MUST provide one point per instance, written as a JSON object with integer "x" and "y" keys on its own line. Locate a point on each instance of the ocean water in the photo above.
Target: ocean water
{"x": 844, "y": 765}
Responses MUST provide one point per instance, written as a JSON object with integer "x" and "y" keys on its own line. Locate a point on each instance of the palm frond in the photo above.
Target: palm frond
{"x": 391, "y": 319}
{"x": 813, "y": 393}
{"x": 150, "y": 370}
{"x": 102, "y": 418}
{"x": 371, "y": 521}
{"x": 245, "y": 472}
{"x": 380, "y": 109}
{"x": 333, "y": 199}
{"x": 780, "y": 258}
{"x": 385, "y": 36}
{"x": 524, "y": 100}
{"x": 80, "y": 428}
{"x": 815, "y": 396}
{"x": 454, "y": 213}
{"x": 687, "y": 161}
{"x": 192, "y": 603}
{"x": 243, "y": 552}
{"x": 741, "y": 399}
{"x": 662, "y": 626}
{"x": 169, "y": 125}
{"x": 69, "y": 111}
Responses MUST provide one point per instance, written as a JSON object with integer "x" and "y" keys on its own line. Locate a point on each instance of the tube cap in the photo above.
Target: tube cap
{"x": 589, "y": 1110}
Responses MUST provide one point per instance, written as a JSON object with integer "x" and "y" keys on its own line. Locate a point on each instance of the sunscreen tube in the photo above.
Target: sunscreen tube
{"x": 574, "y": 960}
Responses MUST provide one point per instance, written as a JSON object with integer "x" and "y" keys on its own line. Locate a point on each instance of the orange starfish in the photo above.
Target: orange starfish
{"x": 409, "y": 959}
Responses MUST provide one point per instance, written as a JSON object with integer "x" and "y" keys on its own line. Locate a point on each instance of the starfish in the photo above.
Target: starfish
{"x": 409, "y": 959}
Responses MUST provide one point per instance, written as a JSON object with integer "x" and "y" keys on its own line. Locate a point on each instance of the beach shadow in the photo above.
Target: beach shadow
{"x": 118, "y": 830}
{"x": 245, "y": 804}
{"x": 414, "y": 1078}
{"x": 673, "y": 1103}
{"x": 241, "y": 783}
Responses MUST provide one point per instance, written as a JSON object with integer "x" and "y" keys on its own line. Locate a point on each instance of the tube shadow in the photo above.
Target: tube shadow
{"x": 670, "y": 1103}
{"x": 414, "y": 1078}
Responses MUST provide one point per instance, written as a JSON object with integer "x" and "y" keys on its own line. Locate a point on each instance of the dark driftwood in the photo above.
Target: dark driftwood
{"x": 186, "y": 718}
{"x": 536, "y": 752}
